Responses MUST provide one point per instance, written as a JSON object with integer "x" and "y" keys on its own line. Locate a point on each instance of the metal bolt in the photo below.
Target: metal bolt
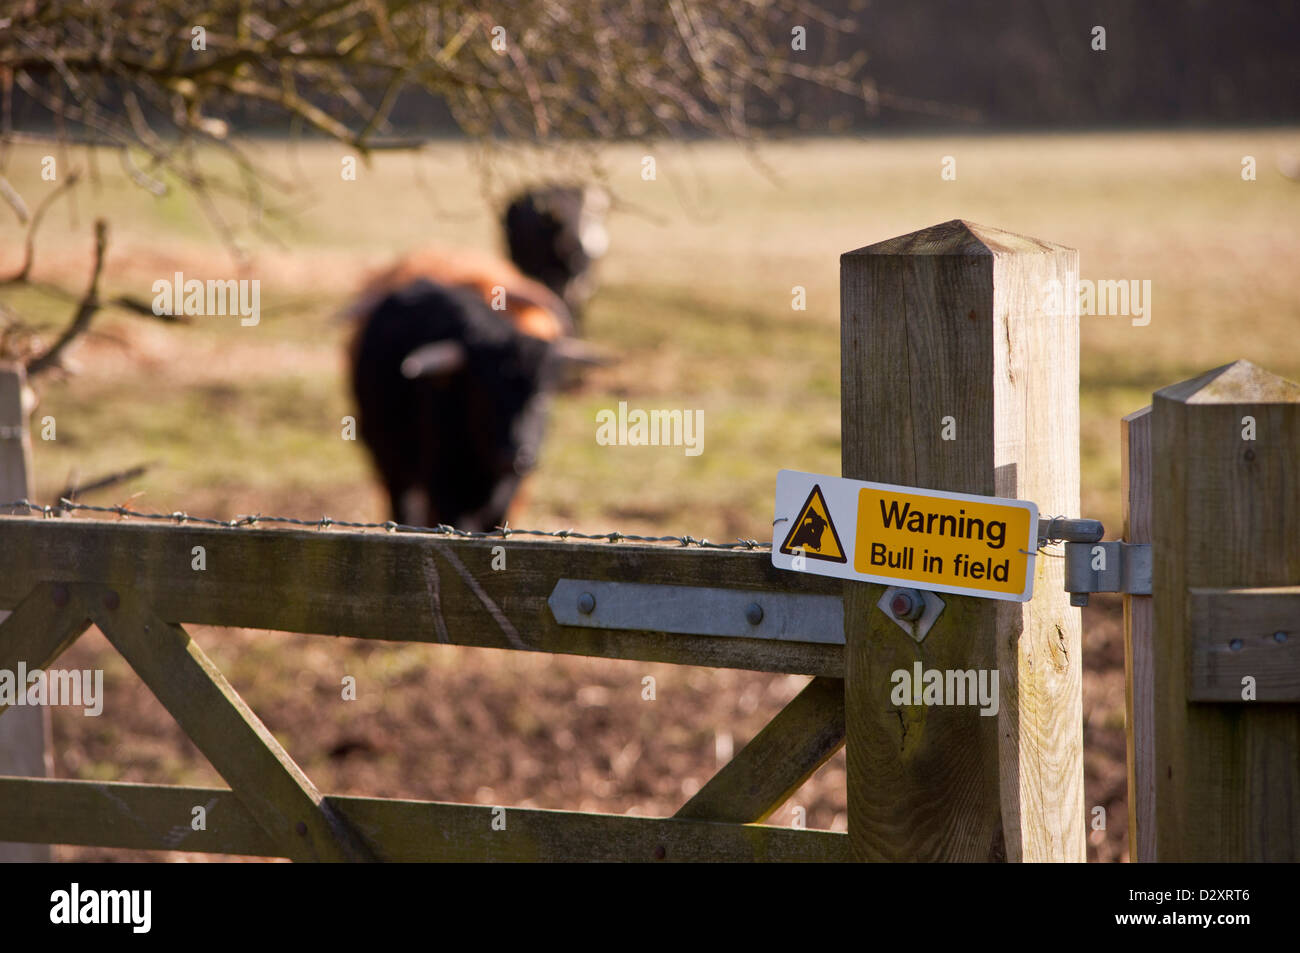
{"x": 301, "y": 828}
{"x": 1249, "y": 455}
{"x": 1235, "y": 645}
{"x": 661, "y": 852}
{"x": 907, "y": 604}
{"x": 111, "y": 599}
{"x": 586, "y": 603}
{"x": 911, "y": 610}
{"x": 754, "y": 613}
{"x": 1279, "y": 637}
{"x": 60, "y": 595}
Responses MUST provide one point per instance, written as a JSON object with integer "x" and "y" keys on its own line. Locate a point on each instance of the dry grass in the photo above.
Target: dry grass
{"x": 696, "y": 295}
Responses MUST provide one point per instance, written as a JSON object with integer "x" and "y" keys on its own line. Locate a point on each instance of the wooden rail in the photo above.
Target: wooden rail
{"x": 401, "y": 587}
{"x": 154, "y": 817}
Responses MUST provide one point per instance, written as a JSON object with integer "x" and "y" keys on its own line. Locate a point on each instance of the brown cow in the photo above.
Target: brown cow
{"x": 453, "y": 363}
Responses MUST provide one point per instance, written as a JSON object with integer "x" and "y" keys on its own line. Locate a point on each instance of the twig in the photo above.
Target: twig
{"x": 137, "y": 306}
{"x": 85, "y": 310}
{"x": 15, "y": 200}
{"x": 29, "y": 249}
{"x": 74, "y": 487}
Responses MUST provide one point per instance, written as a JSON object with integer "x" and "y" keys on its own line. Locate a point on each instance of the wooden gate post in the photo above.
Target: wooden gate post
{"x": 1226, "y": 588}
{"x": 960, "y": 326}
{"x": 24, "y": 732}
{"x": 1139, "y": 621}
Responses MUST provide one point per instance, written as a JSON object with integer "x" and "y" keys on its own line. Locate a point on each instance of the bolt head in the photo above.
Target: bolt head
{"x": 111, "y": 599}
{"x": 754, "y": 613}
{"x": 301, "y": 828}
{"x": 901, "y": 605}
{"x": 1279, "y": 637}
{"x": 60, "y": 595}
{"x": 661, "y": 852}
{"x": 907, "y": 605}
{"x": 1235, "y": 645}
{"x": 586, "y": 603}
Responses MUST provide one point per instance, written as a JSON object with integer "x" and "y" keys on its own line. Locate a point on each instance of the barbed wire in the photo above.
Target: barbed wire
{"x": 325, "y": 522}
{"x": 442, "y": 529}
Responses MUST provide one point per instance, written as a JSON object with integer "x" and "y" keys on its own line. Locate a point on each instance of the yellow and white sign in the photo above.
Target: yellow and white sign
{"x": 905, "y": 536}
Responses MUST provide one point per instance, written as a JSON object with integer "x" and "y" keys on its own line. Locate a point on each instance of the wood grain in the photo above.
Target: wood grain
{"x": 152, "y": 817}
{"x": 1225, "y": 516}
{"x": 1139, "y": 620}
{"x": 777, "y": 761}
{"x": 402, "y": 587}
{"x": 950, "y": 322}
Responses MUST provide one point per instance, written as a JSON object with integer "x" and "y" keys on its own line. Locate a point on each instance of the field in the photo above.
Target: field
{"x": 695, "y": 298}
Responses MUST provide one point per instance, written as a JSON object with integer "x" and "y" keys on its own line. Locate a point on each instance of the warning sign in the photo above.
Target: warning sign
{"x": 814, "y": 531}
{"x": 904, "y": 536}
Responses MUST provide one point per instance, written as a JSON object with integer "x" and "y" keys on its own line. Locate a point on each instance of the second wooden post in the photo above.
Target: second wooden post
{"x": 960, "y": 372}
{"x": 24, "y": 732}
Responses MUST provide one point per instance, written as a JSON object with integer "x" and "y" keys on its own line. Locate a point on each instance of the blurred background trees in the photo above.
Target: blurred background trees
{"x": 154, "y": 79}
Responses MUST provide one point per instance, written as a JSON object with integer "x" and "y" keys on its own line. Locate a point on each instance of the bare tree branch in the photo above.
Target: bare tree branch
{"x": 85, "y": 310}
{"x": 146, "y": 75}
{"x": 76, "y": 488}
{"x": 29, "y": 244}
{"x": 15, "y": 200}
{"x": 157, "y": 81}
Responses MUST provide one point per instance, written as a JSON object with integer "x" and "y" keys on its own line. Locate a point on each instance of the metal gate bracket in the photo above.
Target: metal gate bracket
{"x": 1111, "y": 566}
{"x": 697, "y": 610}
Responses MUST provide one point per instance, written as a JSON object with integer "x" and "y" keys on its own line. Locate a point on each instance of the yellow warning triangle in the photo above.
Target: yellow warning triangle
{"x": 813, "y": 532}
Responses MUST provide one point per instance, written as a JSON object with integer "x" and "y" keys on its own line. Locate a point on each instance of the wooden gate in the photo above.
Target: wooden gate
{"x": 953, "y": 378}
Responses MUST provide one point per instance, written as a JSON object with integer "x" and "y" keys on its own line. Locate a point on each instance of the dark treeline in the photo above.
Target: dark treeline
{"x": 1030, "y": 63}
{"x": 974, "y": 64}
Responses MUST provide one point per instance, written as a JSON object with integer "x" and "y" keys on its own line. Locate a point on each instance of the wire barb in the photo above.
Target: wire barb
{"x": 180, "y": 518}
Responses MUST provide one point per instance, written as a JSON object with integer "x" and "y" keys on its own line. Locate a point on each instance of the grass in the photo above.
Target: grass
{"x": 696, "y": 297}
{"x": 696, "y": 294}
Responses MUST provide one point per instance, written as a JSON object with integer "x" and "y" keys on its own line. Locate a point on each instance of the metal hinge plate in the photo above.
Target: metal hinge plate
{"x": 1110, "y": 566}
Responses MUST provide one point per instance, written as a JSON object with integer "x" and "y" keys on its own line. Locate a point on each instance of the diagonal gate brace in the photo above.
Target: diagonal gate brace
{"x": 282, "y": 799}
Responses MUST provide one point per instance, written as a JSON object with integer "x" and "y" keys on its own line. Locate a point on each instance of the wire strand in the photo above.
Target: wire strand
{"x": 325, "y": 522}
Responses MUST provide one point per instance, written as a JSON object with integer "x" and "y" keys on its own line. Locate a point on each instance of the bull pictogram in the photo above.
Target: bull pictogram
{"x": 810, "y": 531}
